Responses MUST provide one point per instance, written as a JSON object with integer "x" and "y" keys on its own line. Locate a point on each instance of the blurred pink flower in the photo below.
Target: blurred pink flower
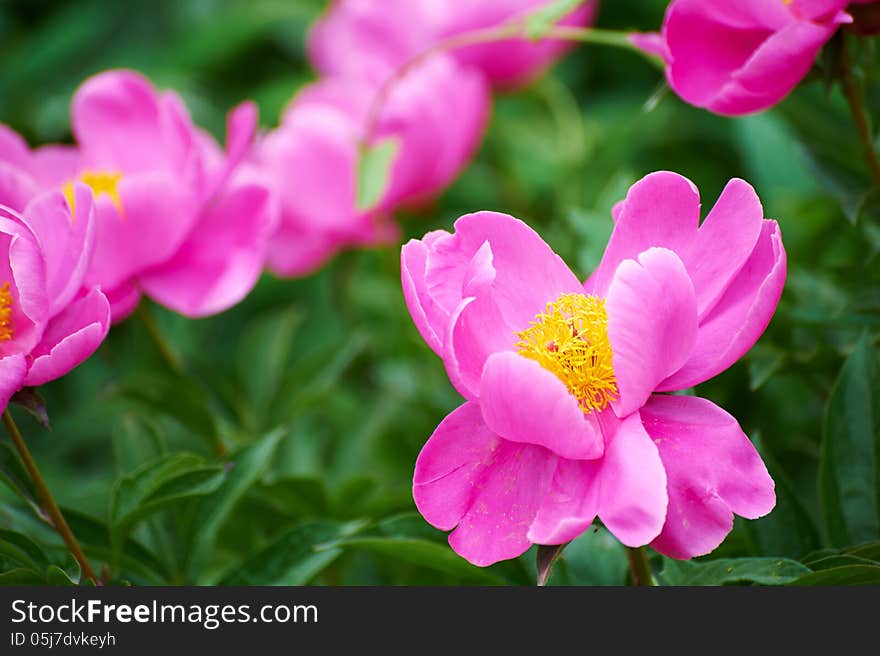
{"x": 741, "y": 57}
{"x": 49, "y": 323}
{"x": 436, "y": 113}
{"x": 371, "y": 40}
{"x": 562, "y": 421}
{"x": 176, "y": 217}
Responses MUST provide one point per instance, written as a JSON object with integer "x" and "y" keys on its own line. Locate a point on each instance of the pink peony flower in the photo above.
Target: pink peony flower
{"x": 49, "y": 323}
{"x": 312, "y": 157}
{"x": 736, "y": 58}
{"x": 371, "y": 40}
{"x": 563, "y": 421}
{"x": 176, "y": 218}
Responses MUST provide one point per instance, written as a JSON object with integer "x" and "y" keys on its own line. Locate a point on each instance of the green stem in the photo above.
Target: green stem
{"x": 148, "y": 319}
{"x": 49, "y": 506}
{"x": 853, "y": 92}
{"x": 638, "y": 566}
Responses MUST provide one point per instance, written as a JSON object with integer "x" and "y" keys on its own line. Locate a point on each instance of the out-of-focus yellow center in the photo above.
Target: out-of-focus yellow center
{"x": 5, "y": 313}
{"x": 570, "y": 339}
{"x": 101, "y": 182}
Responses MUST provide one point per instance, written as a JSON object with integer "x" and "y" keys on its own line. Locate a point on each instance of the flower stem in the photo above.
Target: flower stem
{"x": 49, "y": 506}
{"x": 148, "y": 319}
{"x": 639, "y": 567}
{"x": 853, "y": 92}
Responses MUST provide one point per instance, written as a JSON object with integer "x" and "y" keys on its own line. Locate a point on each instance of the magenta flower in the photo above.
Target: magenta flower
{"x": 311, "y": 159}
{"x": 563, "y": 420}
{"x": 176, "y": 218}
{"x": 371, "y": 40}
{"x": 49, "y": 323}
{"x": 741, "y": 57}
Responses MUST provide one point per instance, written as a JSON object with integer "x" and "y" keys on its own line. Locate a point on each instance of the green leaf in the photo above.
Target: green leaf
{"x": 839, "y": 560}
{"x": 292, "y": 559}
{"x": 870, "y": 551}
{"x": 21, "y": 576}
{"x": 298, "y": 495}
{"x": 850, "y": 460}
{"x": 374, "y": 172}
{"x": 423, "y": 553}
{"x": 848, "y": 575}
{"x": 766, "y": 571}
{"x": 57, "y": 576}
{"x": 247, "y": 466}
{"x": 20, "y": 549}
{"x": 539, "y": 22}
{"x": 263, "y": 355}
{"x": 157, "y": 485}
{"x": 14, "y": 475}
{"x": 173, "y": 396}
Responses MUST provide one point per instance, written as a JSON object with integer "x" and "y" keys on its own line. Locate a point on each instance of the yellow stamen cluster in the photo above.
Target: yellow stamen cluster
{"x": 101, "y": 182}
{"x": 570, "y": 339}
{"x": 5, "y": 313}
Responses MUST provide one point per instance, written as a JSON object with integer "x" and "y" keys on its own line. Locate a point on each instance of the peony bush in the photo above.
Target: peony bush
{"x": 231, "y": 248}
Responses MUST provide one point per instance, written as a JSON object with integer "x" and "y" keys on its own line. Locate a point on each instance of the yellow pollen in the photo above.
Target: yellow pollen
{"x": 101, "y": 182}
{"x": 570, "y": 339}
{"x": 5, "y": 313}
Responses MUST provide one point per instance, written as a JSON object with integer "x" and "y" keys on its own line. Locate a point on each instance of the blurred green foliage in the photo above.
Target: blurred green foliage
{"x": 283, "y": 453}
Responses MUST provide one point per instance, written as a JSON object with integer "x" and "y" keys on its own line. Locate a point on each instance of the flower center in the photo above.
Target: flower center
{"x": 101, "y": 182}
{"x": 5, "y": 313}
{"x": 570, "y": 339}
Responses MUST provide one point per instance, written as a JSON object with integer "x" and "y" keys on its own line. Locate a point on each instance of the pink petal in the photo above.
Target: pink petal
{"x": 157, "y": 217}
{"x": 70, "y": 338}
{"x": 633, "y": 498}
{"x": 429, "y": 317}
{"x": 528, "y": 274}
{"x": 53, "y": 165}
{"x": 65, "y": 239}
{"x": 310, "y": 161}
{"x": 12, "y": 372}
{"x": 123, "y": 301}
{"x": 504, "y": 504}
{"x": 724, "y": 242}
{"x": 571, "y": 505}
{"x": 121, "y": 125}
{"x": 652, "y": 324}
{"x": 737, "y": 58}
{"x": 477, "y": 330}
{"x": 451, "y": 464}
{"x": 523, "y": 402}
{"x": 509, "y": 62}
{"x": 775, "y": 68}
{"x": 17, "y": 187}
{"x": 14, "y": 150}
{"x": 384, "y": 37}
{"x": 740, "y": 316}
{"x": 712, "y": 469}
{"x": 221, "y": 261}
{"x": 293, "y": 252}
{"x": 24, "y": 268}
{"x": 241, "y": 130}
{"x": 661, "y": 209}
{"x": 433, "y": 149}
